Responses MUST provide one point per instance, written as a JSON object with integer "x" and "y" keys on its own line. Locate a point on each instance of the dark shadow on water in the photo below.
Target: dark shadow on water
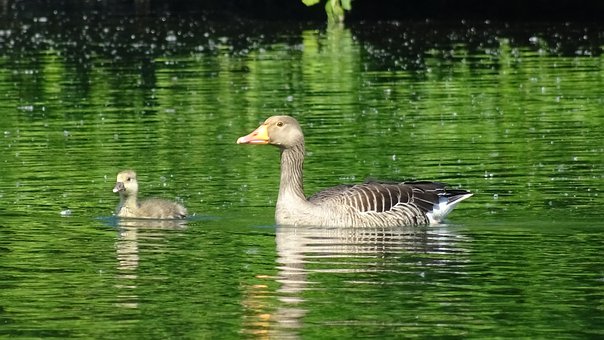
{"x": 116, "y": 222}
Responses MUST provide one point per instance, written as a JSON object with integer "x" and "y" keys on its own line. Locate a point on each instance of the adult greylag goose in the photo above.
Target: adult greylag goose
{"x": 153, "y": 208}
{"x": 371, "y": 204}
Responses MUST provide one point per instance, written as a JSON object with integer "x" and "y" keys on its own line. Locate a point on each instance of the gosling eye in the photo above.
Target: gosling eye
{"x": 279, "y": 124}
{"x": 128, "y": 179}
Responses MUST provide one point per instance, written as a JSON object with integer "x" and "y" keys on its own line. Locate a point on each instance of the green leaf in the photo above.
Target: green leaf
{"x": 346, "y": 4}
{"x": 310, "y": 2}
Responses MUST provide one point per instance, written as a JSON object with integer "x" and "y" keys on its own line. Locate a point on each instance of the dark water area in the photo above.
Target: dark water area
{"x": 509, "y": 111}
{"x": 361, "y": 10}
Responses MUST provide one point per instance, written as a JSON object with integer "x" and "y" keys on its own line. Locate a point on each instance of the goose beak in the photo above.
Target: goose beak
{"x": 119, "y": 186}
{"x": 258, "y": 136}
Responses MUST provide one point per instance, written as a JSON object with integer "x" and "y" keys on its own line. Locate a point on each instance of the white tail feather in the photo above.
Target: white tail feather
{"x": 444, "y": 207}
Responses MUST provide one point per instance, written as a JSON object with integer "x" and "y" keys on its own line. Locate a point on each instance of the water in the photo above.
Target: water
{"x": 512, "y": 113}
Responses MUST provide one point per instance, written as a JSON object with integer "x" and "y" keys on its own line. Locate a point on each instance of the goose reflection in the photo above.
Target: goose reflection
{"x": 130, "y": 233}
{"x": 304, "y": 251}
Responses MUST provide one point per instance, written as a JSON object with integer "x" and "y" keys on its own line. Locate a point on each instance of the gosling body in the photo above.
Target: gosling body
{"x": 153, "y": 208}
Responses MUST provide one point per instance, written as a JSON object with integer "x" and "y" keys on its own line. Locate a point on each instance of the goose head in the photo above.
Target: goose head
{"x": 126, "y": 183}
{"x": 281, "y": 131}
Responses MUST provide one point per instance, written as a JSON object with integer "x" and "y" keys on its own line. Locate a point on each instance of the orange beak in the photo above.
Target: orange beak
{"x": 258, "y": 136}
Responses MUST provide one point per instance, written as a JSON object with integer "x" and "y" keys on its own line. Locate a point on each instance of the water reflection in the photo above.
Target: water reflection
{"x": 310, "y": 258}
{"x": 130, "y": 233}
{"x": 481, "y": 107}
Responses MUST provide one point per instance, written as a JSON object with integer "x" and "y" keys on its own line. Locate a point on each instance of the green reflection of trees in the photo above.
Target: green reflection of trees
{"x": 465, "y": 101}
{"x": 334, "y": 9}
{"x": 511, "y": 122}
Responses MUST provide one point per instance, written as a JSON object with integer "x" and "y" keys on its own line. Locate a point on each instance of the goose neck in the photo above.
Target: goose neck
{"x": 292, "y": 163}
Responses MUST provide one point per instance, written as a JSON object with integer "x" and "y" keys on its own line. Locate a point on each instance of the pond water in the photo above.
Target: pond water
{"x": 512, "y": 113}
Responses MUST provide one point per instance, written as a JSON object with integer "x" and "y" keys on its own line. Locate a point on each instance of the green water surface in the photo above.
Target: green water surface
{"x": 512, "y": 113}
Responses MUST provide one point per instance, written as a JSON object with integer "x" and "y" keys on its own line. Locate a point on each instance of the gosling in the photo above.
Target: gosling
{"x": 152, "y": 208}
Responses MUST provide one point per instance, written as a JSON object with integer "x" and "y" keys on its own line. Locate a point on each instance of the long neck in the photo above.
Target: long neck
{"x": 291, "y": 189}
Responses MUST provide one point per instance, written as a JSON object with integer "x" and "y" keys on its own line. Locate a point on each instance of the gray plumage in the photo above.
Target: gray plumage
{"x": 371, "y": 204}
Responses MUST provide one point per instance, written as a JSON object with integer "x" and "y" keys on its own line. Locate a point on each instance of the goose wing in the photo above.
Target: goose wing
{"x": 330, "y": 193}
{"x": 383, "y": 197}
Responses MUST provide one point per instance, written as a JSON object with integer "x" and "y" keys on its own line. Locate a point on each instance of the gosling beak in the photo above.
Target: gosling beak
{"x": 119, "y": 186}
{"x": 258, "y": 136}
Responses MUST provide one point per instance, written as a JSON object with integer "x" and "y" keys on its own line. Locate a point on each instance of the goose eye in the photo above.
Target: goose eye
{"x": 279, "y": 124}
{"x": 128, "y": 179}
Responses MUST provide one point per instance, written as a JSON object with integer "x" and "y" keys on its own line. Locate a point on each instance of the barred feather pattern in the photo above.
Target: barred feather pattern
{"x": 386, "y": 204}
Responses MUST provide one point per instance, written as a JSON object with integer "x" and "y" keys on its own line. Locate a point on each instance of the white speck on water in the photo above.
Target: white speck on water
{"x": 495, "y": 196}
{"x": 394, "y": 157}
{"x": 171, "y": 37}
{"x": 251, "y": 251}
{"x": 66, "y": 212}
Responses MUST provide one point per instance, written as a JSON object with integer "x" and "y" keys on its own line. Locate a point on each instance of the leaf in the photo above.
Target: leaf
{"x": 346, "y": 4}
{"x": 310, "y": 2}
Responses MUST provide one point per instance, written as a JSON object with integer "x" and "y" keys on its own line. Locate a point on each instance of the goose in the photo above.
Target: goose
{"x": 152, "y": 208}
{"x": 370, "y": 204}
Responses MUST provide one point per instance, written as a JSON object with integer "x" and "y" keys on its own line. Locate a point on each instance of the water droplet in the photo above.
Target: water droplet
{"x": 171, "y": 37}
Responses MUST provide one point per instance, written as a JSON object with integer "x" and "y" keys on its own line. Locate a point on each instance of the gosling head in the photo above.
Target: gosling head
{"x": 281, "y": 131}
{"x": 126, "y": 183}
